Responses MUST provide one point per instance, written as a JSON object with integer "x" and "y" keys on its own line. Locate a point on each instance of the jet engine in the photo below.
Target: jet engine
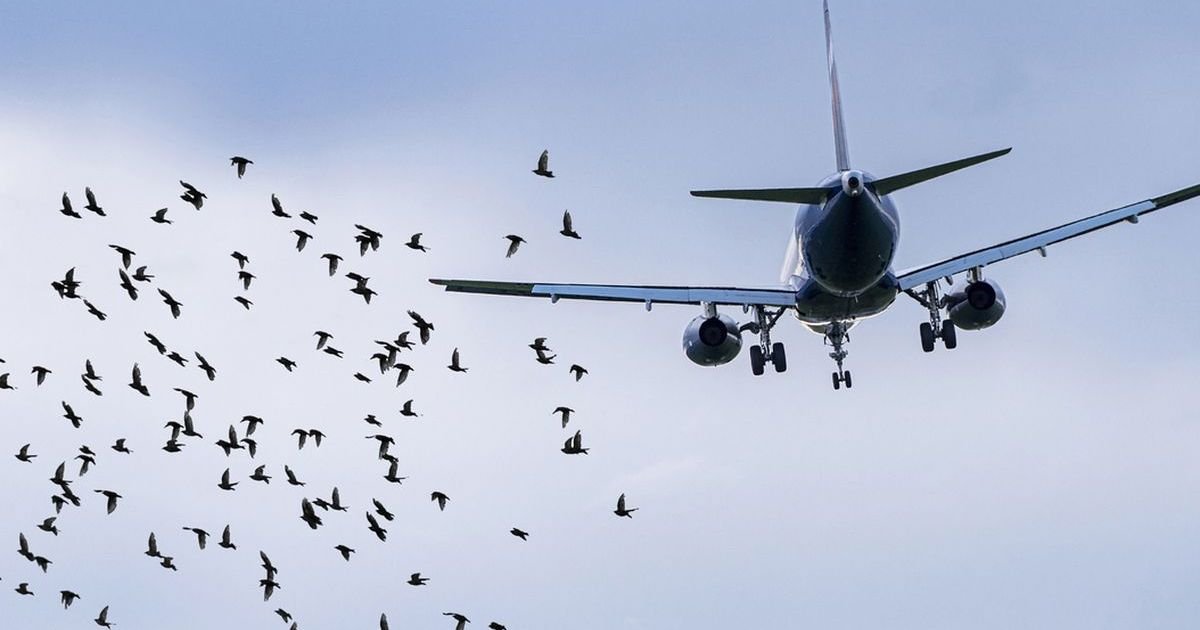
{"x": 712, "y": 340}
{"x": 979, "y": 305}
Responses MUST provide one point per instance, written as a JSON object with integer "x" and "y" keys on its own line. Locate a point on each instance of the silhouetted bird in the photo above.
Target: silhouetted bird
{"x": 574, "y": 445}
{"x": 102, "y": 619}
{"x": 127, "y": 284}
{"x": 209, "y": 370}
{"x": 91, "y": 201}
{"x": 578, "y": 371}
{"x": 621, "y": 509}
{"x": 416, "y": 580}
{"x": 523, "y": 535}
{"x": 345, "y": 551}
{"x": 68, "y": 598}
{"x": 241, "y": 259}
{"x": 112, "y": 499}
{"x": 415, "y": 243}
{"x": 126, "y": 255}
{"x": 160, "y": 216}
{"x": 91, "y": 308}
{"x": 460, "y": 619}
{"x": 302, "y": 239}
{"x": 244, "y": 301}
{"x": 240, "y": 162}
{"x": 226, "y": 540}
{"x": 514, "y": 242}
{"x": 424, "y": 327}
{"x": 171, "y": 302}
{"x": 440, "y": 498}
{"x": 287, "y": 363}
{"x": 192, "y": 195}
{"x": 225, "y": 483}
{"x": 277, "y": 208}
{"x": 543, "y": 165}
{"x": 67, "y": 209}
{"x": 566, "y": 414}
{"x": 24, "y": 455}
{"x": 455, "y": 366}
{"x": 40, "y": 373}
{"x": 310, "y": 217}
{"x": 568, "y": 229}
{"x": 201, "y": 536}
{"x": 373, "y": 525}
{"x": 308, "y": 515}
{"x": 333, "y": 259}
{"x": 136, "y": 383}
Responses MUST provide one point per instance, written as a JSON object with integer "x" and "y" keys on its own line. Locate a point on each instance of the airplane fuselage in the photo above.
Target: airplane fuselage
{"x": 840, "y": 257}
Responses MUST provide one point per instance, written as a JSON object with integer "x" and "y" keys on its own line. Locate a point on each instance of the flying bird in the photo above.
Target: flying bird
{"x": 455, "y": 366}
{"x": 225, "y": 483}
{"x": 416, "y": 580}
{"x": 310, "y": 217}
{"x": 102, "y": 619}
{"x": 523, "y": 535}
{"x": 171, "y": 302}
{"x": 241, "y": 259}
{"x": 127, "y": 284}
{"x": 621, "y": 509}
{"x": 244, "y": 301}
{"x": 287, "y": 363}
{"x": 415, "y": 243}
{"x": 136, "y": 383}
{"x": 126, "y": 255}
{"x": 578, "y": 371}
{"x": 308, "y": 515}
{"x": 40, "y": 373}
{"x": 226, "y": 540}
{"x": 345, "y": 551}
{"x": 68, "y": 598}
{"x": 209, "y": 370}
{"x": 568, "y": 229}
{"x": 91, "y": 201}
{"x": 67, "y": 209}
{"x": 566, "y": 414}
{"x": 333, "y": 259}
{"x": 424, "y": 327}
{"x": 112, "y": 499}
{"x": 24, "y": 455}
{"x": 277, "y": 208}
{"x": 514, "y": 242}
{"x": 160, "y": 216}
{"x": 543, "y": 165}
{"x": 201, "y": 536}
{"x": 192, "y": 195}
{"x": 373, "y": 525}
{"x": 240, "y": 162}
{"x": 574, "y": 445}
{"x": 440, "y": 498}
{"x": 302, "y": 239}
{"x": 461, "y": 620}
{"x": 91, "y": 308}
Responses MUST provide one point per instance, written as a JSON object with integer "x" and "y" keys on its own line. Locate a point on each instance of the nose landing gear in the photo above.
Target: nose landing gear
{"x": 837, "y": 335}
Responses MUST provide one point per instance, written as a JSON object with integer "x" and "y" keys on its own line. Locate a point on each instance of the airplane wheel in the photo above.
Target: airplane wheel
{"x": 926, "y": 337}
{"x": 778, "y": 357}
{"x": 949, "y": 335}
{"x": 757, "y": 362}
{"x": 837, "y": 382}
{"x": 846, "y": 379}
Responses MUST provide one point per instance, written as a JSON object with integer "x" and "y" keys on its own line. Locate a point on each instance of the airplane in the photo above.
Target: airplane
{"x": 838, "y": 265}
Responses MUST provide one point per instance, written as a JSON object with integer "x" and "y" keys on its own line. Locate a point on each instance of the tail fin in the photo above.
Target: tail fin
{"x": 839, "y": 123}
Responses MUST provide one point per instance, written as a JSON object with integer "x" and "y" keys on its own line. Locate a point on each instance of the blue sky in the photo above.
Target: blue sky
{"x": 1042, "y": 474}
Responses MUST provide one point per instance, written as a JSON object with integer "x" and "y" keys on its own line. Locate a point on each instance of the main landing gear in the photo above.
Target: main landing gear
{"x": 764, "y": 350}
{"x": 936, "y": 328}
{"x": 837, "y": 335}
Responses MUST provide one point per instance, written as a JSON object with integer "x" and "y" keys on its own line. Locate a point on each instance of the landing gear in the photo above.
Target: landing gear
{"x": 936, "y": 328}
{"x": 837, "y": 336}
{"x": 765, "y": 350}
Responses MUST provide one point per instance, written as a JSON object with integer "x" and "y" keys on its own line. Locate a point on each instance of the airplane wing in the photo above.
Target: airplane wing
{"x": 1040, "y": 240}
{"x": 626, "y": 293}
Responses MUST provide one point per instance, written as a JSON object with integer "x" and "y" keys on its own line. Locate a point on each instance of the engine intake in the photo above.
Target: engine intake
{"x": 712, "y": 341}
{"x": 978, "y": 306}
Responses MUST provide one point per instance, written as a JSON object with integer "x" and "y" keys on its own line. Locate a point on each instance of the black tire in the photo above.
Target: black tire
{"x": 778, "y": 357}
{"x": 846, "y": 379}
{"x": 837, "y": 382}
{"x": 949, "y": 335}
{"x": 926, "y": 337}
{"x": 757, "y": 362}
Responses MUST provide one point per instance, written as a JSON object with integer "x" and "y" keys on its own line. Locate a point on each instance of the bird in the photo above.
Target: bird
{"x": 621, "y": 509}
{"x": 240, "y": 162}
{"x": 455, "y": 366}
{"x": 568, "y": 229}
{"x": 70, "y": 415}
{"x": 345, "y": 551}
{"x": 246, "y": 277}
{"x": 283, "y": 614}
{"x": 514, "y": 242}
{"x": 335, "y": 502}
{"x": 112, "y": 499}
{"x": 4, "y": 384}
{"x": 102, "y": 619}
{"x": 209, "y": 370}
{"x": 136, "y": 383}
{"x": 226, "y": 540}
{"x": 244, "y": 301}
{"x": 523, "y": 535}
{"x": 308, "y": 515}
{"x": 460, "y": 619}
{"x": 68, "y": 286}
{"x": 543, "y": 165}
{"x": 40, "y": 373}
{"x": 252, "y": 423}
{"x": 24, "y": 455}
{"x": 415, "y": 243}
{"x": 192, "y": 195}
{"x": 291, "y": 477}
{"x": 566, "y": 414}
{"x": 287, "y": 363}
{"x": 91, "y": 308}
{"x": 189, "y": 399}
{"x": 225, "y": 483}
{"x": 373, "y": 525}
{"x": 382, "y": 511}
{"x": 578, "y": 371}
{"x": 126, "y": 255}
{"x": 333, "y": 259}
{"x": 91, "y": 201}
{"x": 158, "y": 345}
{"x": 277, "y": 208}
{"x": 310, "y": 217}
{"x": 423, "y": 326}
{"x": 152, "y": 547}
{"x": 407, "y": 410}
{"x": 403, "y": 369}
{"x": 360, "y": 376}
{"x": 68, "y": 598}
{"x": 160, "y": 216}
{"x": 127, "y": 284}
{"x": 119, "y": 446}
{"x": 385, "y": 442}
{"x": 23, "y": 589}
{"x": 302, "y": 239}
{"x": 141, "y": 276}
{"x": 201, "y": 536}
{"x": 440, "y": 498}
{"x": 574, "y": 445}
{"x": 322, "y": 338}
{"x": 171, "y": 302}
{"x": 268, "y": 585}
{"x": 48, "y": 525}
{"x": 383, "y": 623}
{"x": 416, "y": 580}
{"x": 242, "y": 259}
{"x": 261, "y": 475}
{"x": 392, "y": 473}
{"x": 67, "y": 209}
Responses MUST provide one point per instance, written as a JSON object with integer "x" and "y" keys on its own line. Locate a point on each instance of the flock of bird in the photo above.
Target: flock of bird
{"x": 240, "y": 436}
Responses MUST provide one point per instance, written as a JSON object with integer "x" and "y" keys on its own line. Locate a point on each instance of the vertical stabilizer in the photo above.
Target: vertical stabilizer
{"x": 839, "y": 124}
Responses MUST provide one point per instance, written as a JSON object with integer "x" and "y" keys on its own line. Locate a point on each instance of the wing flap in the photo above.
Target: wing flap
{"x": 626, "y": 293}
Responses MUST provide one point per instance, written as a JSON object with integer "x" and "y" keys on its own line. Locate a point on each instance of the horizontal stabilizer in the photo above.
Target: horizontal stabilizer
{"x": 888, "y": 185}
{"x": 784, "y": 195}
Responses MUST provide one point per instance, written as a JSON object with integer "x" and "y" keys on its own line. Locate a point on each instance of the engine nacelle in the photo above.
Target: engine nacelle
{"x": 712, "y": 341}
{"x": 979, "y": 305}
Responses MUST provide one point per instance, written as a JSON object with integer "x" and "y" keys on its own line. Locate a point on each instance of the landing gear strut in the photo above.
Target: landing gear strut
{"x": 936, "y": 328}
{"x": 766, "y": 351}
{"x": 837, "y": 335}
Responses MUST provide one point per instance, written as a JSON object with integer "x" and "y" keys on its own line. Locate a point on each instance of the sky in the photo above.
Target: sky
{"x": 1043, "y": 474}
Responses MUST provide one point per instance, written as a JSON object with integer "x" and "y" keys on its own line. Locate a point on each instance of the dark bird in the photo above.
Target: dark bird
{"x": 568, "y": 230}
{"x": 621, "y": 509}
{"x": 440, "y": 498}
{"x": 455, "y": 366}
{"x": 246, "y": 278}
{"x": 136, "y": 383}
{"x": 126, "y": 255}
{"x": 322, "y": 338}
{"x": 23, "y": 589}
{"x": 382, "y": 511}
{"x": 287, "y": 363}
{"x": 252, "y": 423}
{"x": 112, "y": 499}
{"x": 335, "y": 501}
{"x": 361, "y": 377}
{"x": 87, "y": 462}
{"x": 152, "y": 547}
{"x": 158, "y": 345}
{"x": 160, "y": 216}
{"x": 209, "y": 370}
{"x": 102, "y": 619}
{"x": 68, "y": 286}
{"x": 226, "y": 540}
{"x": 68, "y": 598}
{"x": 392, "y": 473}
{"x": 119, "y": 446}
{"x": 4, "y": 382}
{"x": 424, "y": 327}
{"x": 415, "y": 243}
{"x": 225, "y": 483}
{"x": 189, "y": 399}
{"x": 460, "y": 619}
{"x": 268, "y": 585}
{"x": 91, "y": 308}
{"x": 127, "y": 284}
{"x": 373, "y": 421}
{"x": 308, "y": 515}
{"x": 177, "y": 358}
{"x": 302, "y": 239}
{"x": 201, "y": 536}
{"x": 240, "y": 162}
{"x": 373, "y": 525}
{"x": 192, "y": 195}
{"x": 24, "y": 455}
{"x": 345, "y": 551}
{"x": 416, "y": 580}
{"x": 367, "y": 238}
{"x": 291, "y": 477}
{"x": 574, "y": 445}
{"x": 277, "y": 208}
{"x": 283, "y": 614}
{"x": 566, "y": 414}
{"x": 40, "y": 373}
{"x": 333, "y": 259}
{"x": 383, "y": 623}
{"x": 310, "y": 217}
{"x": 48, "y": 525}
{"x": 241, "y": 259}
{"x": 67, "y": 209}
{"x": 267, "y": 566}
{"x": 385, "y": 442}
{"x": 543, "y": 165}
{"x": 523, "y": 535}
{"x": 404, "y": 369}
{"x": 23, "y": 547}
{"x": 141, "y": 276}
{"x": 171, "y": 302}
{"x": 70, "y": 414}
{"x": 403, "y": 342}
{"x": 261, "y": 475}
{"x": 496, "y": 626}
{"x": 578, "y": 371}
{"x": 407, "y": 410}
{"x": 514, "y": 242}
{"x": 244, "y": 301}
{"x": 91, "y": 201}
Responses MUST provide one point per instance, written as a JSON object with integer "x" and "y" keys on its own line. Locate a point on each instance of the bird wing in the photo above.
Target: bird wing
{"x": 544, "y": 160}
{"x": 567, "y": 220}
